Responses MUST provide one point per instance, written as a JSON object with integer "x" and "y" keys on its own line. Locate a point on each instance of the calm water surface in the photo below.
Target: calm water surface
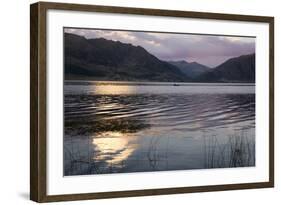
{"x": 112, "y": 127}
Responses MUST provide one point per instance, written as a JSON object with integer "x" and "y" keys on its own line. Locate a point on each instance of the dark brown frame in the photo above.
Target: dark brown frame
{"x": 38, "y": 96}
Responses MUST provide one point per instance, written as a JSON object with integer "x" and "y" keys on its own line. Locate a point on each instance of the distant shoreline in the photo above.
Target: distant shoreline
{"x": 88, "y": 82}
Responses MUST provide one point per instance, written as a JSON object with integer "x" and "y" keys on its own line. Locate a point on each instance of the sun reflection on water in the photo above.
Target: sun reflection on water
{"x": 114, "y": 147}
{"x": 111, "y": 89}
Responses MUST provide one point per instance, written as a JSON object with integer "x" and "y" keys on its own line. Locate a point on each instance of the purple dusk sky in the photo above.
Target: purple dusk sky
{"x": 205, "y": 49}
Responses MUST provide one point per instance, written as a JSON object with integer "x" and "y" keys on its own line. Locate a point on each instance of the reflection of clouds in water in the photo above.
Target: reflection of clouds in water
{"x": 113, "y": 147}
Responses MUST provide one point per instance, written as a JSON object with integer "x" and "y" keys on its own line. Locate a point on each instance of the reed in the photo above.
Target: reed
{"x": 237, "y": 151}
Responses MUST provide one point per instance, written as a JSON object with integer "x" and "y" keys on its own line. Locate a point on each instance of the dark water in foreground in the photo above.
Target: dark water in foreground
{"x": 125, "y": 127}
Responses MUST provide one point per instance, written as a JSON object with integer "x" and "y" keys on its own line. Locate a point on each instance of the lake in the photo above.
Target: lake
{"x": 122, "y": 127}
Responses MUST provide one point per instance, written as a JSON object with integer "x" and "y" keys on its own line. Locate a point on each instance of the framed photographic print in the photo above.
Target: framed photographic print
{"x": 134, "y": 102}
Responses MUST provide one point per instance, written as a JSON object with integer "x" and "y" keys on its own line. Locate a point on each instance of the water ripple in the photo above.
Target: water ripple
{"x": 185, "y": 111}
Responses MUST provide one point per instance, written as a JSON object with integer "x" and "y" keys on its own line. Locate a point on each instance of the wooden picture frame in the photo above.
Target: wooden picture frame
{"x": 38, "y": 100}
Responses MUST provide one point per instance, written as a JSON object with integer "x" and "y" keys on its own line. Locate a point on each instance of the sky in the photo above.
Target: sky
{"x": 208, "y": 50}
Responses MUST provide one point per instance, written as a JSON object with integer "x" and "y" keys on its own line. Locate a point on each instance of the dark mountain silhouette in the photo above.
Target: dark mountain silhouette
{"x": 101, "y": 59}
{"x": 239, "y": 69}
{"x": 192, "y": 69}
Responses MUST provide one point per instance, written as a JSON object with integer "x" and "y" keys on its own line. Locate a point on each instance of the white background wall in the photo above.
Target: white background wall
{"x": 14, "y": 103}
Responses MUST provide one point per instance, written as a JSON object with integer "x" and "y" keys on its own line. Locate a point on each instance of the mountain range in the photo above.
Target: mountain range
{"x": 102, "y": 59}
{"x": 192, "y": 69}
{"x": 239, "y": 69}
